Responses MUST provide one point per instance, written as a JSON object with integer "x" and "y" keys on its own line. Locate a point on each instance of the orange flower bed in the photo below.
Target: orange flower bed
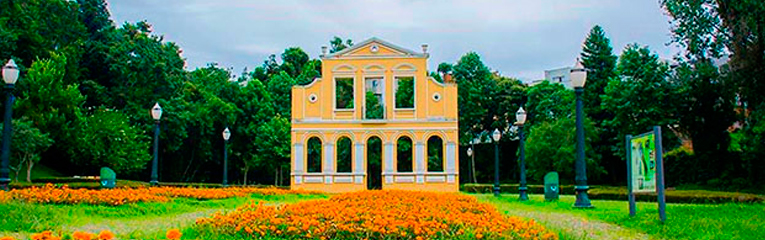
{"x": 104, "y": 235}
{"x": 50, "y": 194}
{"x": 376, "y": 215}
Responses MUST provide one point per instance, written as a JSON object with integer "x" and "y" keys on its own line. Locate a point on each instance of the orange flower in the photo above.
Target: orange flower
{"x": 173, "y": 234}
{"x": 7, "y": 238}
{"x": 82, "y": 236}
{"x": 106, "y": 235}
{"x": 405, "y": 215}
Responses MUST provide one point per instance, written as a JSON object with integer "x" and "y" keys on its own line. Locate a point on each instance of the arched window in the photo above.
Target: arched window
{"x": 435, "y": 154}
{"x": 314, "y": 155}
{"x": 343, "y": 156}
{"x": 404, "y": 154}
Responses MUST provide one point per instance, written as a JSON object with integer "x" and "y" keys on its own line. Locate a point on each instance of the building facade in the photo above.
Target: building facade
{"x": 375, "y": 120}
{"x": 560, "y": 76}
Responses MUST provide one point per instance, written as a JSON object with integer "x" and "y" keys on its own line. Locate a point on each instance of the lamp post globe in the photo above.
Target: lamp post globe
{"x": 226, "y": 136}
{"x": 578, "y": 79}
{"x": 156, "y": 113}
{"x": 10, "y": 76}
{"x": 520, "y": 119}
{"x": 470, "y": 152}
{"x": 496, "y": 136}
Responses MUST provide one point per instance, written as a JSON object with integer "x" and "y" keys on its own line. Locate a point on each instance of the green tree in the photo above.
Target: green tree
{"x": 551, "y": 146}
{"x": 547, "y": 102}
{"x": 28, "y": 143}
{"x": 52, "y": 106}
{"x": 373, "y": 109}
{"x": 337, "y": 44}
{"x": 109, "y": 140}
{"x": 600, "y": 62}
{"x": 271, "y": 139}
{"x": 475, "y": 84}
{"x": 293, "y": 61}
{"x": 642, "y": 97}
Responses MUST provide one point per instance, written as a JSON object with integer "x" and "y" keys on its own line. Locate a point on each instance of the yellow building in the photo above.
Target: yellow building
{"x": 375, "y": 119}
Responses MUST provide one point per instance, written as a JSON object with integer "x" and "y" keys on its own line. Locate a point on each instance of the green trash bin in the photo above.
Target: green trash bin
{"x": 552, "y": 188}
{"x": 108, "y": 178}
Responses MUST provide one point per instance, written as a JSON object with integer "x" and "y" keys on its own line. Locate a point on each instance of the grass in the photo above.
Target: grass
{"x": 610, "y": 219}
{"x": 130, "y": 221}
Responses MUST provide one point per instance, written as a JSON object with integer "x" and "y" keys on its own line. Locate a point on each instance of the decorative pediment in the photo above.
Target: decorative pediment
{"x": 375, "y": 47}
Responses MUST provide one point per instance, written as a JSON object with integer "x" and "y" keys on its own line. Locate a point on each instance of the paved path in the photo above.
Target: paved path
{"x": 578, "y": 227}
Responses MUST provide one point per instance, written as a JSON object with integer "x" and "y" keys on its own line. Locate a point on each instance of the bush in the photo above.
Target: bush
{"x": 620, "y": 193}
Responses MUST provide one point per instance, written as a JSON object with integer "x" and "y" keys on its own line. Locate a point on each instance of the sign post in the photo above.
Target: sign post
{"x": 645, "y": 170}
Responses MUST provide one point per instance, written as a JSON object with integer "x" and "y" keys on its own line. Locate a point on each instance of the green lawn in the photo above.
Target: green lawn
{"x": 610, "y": 219}
{"x": 130, "y": 221}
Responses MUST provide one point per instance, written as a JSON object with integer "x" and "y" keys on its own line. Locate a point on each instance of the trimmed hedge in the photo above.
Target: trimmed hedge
{"x": 95, "y": 184}
{"x": 620, "y": 193}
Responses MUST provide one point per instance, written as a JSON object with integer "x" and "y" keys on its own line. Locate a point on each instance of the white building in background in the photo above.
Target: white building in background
{"x": 559, "y": 75}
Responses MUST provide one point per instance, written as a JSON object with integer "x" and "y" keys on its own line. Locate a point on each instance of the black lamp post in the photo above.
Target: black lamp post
{"x": 156, "y": 113}
{"x": 10, "y": 75}
{"x": 496, "y": 136}
{"x": 520, "y": 119}
{"x": 226, "y": 136}
{"x": 578, "y": 78}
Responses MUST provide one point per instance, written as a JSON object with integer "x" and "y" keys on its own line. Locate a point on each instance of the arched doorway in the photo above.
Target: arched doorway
{"x": 374, "y": 163}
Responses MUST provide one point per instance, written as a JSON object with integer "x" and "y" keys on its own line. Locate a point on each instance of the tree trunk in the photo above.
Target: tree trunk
{"x": 276, "y": 176}
{"x": 30, "y": 165}
{"x": 246, "y": 169}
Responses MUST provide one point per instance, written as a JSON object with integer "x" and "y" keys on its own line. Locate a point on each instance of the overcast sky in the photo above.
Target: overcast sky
{"x": 517, "y": 38}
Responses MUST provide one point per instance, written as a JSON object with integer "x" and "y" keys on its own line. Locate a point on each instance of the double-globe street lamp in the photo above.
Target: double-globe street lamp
{"x": 578, "y": 78}
{"x": 496, "y": 136}
{"x": 520, "y": 119}
{"x": 156, "y": 113}
{"x": 10, "y": 75}
{"x": 226, "y": 136}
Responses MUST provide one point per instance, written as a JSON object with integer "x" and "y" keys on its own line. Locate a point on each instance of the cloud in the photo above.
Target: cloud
{"x": 517, "y": 38}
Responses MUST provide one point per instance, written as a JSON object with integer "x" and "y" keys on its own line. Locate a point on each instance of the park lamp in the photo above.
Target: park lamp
{"x": 496, "y": 135}
{"x": 226, "y": 134}
{"x": 470, "y": 152}
{"x": 520, "y": 116}
{"x": 578, "y": 75}
{"x": 10, "y": 72}
{"x": 156, "y": 111}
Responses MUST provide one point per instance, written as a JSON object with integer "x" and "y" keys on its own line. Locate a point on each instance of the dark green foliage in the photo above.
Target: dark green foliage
{"x": 337, "y": 44}
{"x": 600, "y": 62}
{"x": 28, "y": 142}
{"x": 551, "y": 146}
{"x": 108, "y": 139}
{"x": 640, "y": 98}
{"x": 374, "y": 163}
{"x": 313, "y": 147}
{"x": 620, "y": 194}
{"x": 373, "y": 109}
{"x": 344, "y": 93}
{"x": 547, "y": 102}
{"x": 435, "y": 154}
{"x": 344, "y": 157}
{"x": 404, "y": 92}
{"x": 404, "y": 154}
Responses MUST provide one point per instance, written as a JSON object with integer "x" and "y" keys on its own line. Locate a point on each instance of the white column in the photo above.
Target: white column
{"x": 419, "y": 161}
{"x": 388, "y": 153}
{"x": 359, "y": 169}
{"x": 298, "y": 163}
{"x": 329, "y": 162}
{"x": 451, "y": 162}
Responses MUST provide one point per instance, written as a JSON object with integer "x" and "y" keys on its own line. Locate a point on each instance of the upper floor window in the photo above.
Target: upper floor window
{"x": 344, "y": 93}
{"x": 404, "y": 92}
{"x": 373, "y": 108}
